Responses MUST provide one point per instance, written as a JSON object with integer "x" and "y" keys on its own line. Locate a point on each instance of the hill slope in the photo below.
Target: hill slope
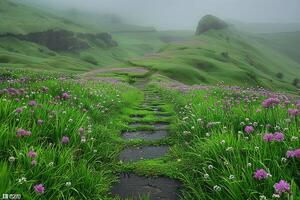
{"x": 33, "y": 38}
{"x": 224, "y": 55}
{"x": 287, "y": 43}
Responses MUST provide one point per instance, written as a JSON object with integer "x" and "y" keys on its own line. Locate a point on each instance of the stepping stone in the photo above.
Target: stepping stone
{"x": 155, "y": 109}
{"x": 136, "y": 187}
{"x": 137, "y": 116}
{"x": 140, "y": 153}
{"x": 156, "y": 125}
{"x": 145, "y": 135}
{"x": 163, "y": 115}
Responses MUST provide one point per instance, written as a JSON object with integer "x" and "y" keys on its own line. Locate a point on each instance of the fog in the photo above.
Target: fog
{"x": 184, "y": 14}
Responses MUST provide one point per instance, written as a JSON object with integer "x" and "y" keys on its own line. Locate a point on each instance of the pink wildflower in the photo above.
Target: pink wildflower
{"x": 39, "y": 188}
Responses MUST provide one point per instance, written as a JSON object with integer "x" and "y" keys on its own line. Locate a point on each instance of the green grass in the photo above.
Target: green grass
{"x": 22, "y": 19}
{"x": 87, "y": 165}
{"x": 226, "y": 56}
{"x": 206, "y": 128}
{"x": 287, "y": 43}
{"x": 17, "y": 18}
{"x": 210, "y": 131}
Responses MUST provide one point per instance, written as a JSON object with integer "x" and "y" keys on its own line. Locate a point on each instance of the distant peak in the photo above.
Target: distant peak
{"x": 209, "y": 22}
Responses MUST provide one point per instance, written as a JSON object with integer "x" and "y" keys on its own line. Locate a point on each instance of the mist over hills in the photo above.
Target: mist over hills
{"x": 76, "y": 40}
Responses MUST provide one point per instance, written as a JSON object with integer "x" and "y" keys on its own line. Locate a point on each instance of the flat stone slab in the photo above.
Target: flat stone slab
{"x": 145, "y": 135}
{"x": 132, "y": 154}
{"x": 163, "y": 115}
{"x": 136, "y": 187}
{"x": 156, "y": 125}
{"x": 154, "y": 109}
{"x": 137, "y": 116}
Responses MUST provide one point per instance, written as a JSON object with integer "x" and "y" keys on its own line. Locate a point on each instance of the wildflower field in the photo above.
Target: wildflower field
{"x": 62, "y": 136}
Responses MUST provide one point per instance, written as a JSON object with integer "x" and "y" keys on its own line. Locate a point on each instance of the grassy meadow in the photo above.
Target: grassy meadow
{"x": 223, "y": 105}
{"x": 61, "y": 137}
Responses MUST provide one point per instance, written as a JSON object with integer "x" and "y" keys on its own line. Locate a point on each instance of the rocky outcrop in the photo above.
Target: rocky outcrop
{"x": 64, "y": 40}
{"x": 209, "y": 22}
{"x": 103, "y": 40}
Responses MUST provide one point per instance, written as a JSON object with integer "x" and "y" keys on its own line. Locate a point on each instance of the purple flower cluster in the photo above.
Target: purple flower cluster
{"x": 65, "y": 140}
{"x": 13, "y": 91}
{"x": 277, "y": 136}
{"x": 39, "y": 188}
{"x": 249, "y": 129}
{"x": 22, "y": 132}
{"x": 270, "y": 102}
{"x": 65, "y": 96}
{"x": 282, "y": 186}
{"x": 32, "y": 103}
{"x": 293, "y": 154}
{"x": 32, "y": 155}
{"x": 261, "y": 174}
{"x": 19, "y": 110}
{"x": 293, "y": 112}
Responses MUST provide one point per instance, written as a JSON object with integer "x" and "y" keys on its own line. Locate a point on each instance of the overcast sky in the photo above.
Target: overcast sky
{"x": 184, "y": 14}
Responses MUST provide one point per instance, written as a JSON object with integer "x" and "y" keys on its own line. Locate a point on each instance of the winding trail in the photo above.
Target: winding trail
{"x": 131, "y": 185}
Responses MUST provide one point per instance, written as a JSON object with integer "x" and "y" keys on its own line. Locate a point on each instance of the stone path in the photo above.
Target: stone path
{"x": 130, "y": 185}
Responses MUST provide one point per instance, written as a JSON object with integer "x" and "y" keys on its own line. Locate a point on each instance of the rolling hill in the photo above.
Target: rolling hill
{"x": 224, "y": 55}
{"x": 217, "y": 53}
{"x": 77, "y": 44}
{"x": 285, "y": 42}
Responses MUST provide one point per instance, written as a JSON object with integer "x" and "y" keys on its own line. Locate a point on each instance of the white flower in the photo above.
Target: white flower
{"x": 217, "y": 188}
{"x": 22, "y": 180}
{"x": 50, "y": 164}
{"x": 283, "y": 159}
{"x": 256, "y": 148}
{"x": 210, "y": 167}
{"x": 262, "y": 197}
{"x": 206, "y": 176}
{"x": 249, "y": 165}
{"x": 68, "y": 184}
{"x": 229, "y": 149}
{"x": 83, "y": 139}
{"x": 294, "y": 138}
{"x": 222, "y": 142}
{"x": 276, "y": 196}
{"x": 207, "y": 134}
{"x": 11, "y": 159}
{"x": 231, "y": 177}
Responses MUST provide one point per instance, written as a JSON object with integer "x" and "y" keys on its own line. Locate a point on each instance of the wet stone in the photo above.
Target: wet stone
{"x": 163, "y": 115}
{"x": 145, "y": 135}
{"x": 137, "y": 116}
{"x": 143, "y": 153}
{"x": 155, "y": 109}
{"x": 136, "y": 187}
{"x": 156, "y": 125}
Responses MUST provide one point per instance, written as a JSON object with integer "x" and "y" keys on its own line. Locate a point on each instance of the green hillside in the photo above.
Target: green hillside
{"x": 287, "y": 43}
{"x": 265, "y": 27}
{"x": 224, "y": 55}
{"x": 19, "y": 18}
{"x": 215, "y": 55}
{"x": 21, "y": 21}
